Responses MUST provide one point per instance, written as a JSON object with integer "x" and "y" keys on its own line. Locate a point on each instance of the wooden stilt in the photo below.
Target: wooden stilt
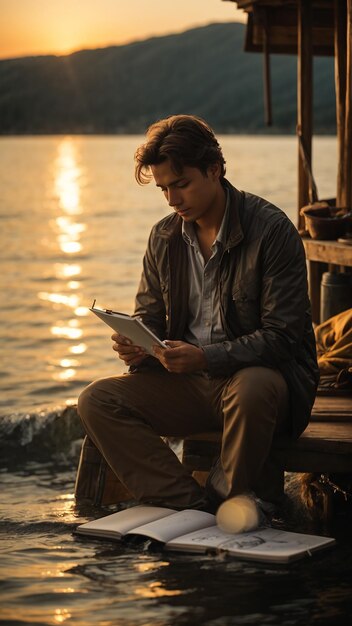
{"x": 267, "y": 74}
{"x": 340, "y": 42}
{"x": 304, "y": 98}
{"x": 348, "y": 114}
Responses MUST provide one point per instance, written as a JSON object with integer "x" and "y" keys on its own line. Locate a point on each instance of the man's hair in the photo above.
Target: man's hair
{"x": 186, "y": 140}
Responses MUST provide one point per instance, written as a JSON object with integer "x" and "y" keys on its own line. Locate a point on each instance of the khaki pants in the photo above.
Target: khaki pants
{"x": 126, "y": 415}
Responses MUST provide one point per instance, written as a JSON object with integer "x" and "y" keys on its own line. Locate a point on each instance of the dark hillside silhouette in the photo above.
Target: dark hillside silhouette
{"x": 121, "y": 89}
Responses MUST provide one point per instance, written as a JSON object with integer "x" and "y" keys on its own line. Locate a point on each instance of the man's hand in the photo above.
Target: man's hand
{"x": 181, "y": 357}
{"x": 130, "y": 354}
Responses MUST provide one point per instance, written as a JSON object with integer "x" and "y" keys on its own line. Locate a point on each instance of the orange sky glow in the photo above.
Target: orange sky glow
{"x": 35, "y": 27}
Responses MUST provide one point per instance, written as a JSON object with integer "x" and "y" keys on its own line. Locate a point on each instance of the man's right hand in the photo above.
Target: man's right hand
{"x": 129, "y": 353}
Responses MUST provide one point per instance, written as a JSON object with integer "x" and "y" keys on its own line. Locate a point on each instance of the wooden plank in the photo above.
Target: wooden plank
{"x": 323, "y": 447}
{"x": 332, "y": 436}
{"x": 336, "y": 435}
{"x": 332, "y": 408}
{"x": 293, "y": 460}
{"x": 249, "y": 5}
{"x": 328, "y": 251}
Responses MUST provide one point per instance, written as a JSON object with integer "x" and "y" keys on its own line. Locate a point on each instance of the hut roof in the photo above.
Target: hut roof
{"x": 308, "y": 28}
{"x": 278, "y": 19}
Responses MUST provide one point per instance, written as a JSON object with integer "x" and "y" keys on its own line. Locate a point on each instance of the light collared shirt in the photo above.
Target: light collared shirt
{"x": 204, "y": 321}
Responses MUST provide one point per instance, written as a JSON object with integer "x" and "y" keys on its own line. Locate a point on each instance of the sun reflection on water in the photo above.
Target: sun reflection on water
{"x": 80, "y": 348}
{"x": 69, "y": 234}
{"x": 68, "y": 230}
{"x": 67, "y": 270}
{"x": 81, "y": 311}
{"x": 69, "y": 362}
{"x": 59, "y": 298}
{"x": 67, "y": 374}
{"x": 149, "y": 566}
{"x": 67, "y": 184}
{"x": 65, "y": 330}
{"x": 156, "y": 590}
{"x": 61, "y": 615}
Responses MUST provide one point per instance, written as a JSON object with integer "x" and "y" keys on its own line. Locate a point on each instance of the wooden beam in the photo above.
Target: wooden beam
{"x": 304, "y": 99}
{"x": 340, "y": 86}
{"x": 267, "y": 74}
{"x": 348, "y": 114}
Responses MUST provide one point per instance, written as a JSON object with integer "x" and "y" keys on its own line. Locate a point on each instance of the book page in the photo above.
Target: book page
{"x": 275, "y": 545}
{"x": 267, "y": 544}
{"x": 200, "y": 540}
{"x": 118, "y": 524}
{"x": 181, "y": 522}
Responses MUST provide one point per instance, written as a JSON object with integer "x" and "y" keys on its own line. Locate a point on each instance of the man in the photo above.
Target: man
{"x": 224, "y": 283}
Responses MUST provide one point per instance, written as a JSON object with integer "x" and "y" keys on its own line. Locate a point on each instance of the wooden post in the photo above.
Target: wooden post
{"x": 340, "y": 42}
{"x": 304, "y": 98}
{"x": 348, "y": 114}
{"x": 267, "y": 74}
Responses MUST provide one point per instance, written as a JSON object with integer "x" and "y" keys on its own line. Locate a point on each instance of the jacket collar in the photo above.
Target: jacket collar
{"x": 235, "y": 232}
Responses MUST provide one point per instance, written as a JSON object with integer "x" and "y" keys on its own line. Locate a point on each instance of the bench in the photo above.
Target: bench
{"x": 325, "y": 445}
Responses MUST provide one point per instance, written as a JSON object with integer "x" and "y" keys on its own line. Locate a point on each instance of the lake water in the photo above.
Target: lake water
{"x": 74, "y": 226}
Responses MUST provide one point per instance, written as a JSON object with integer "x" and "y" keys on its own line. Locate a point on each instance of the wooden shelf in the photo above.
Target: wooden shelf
{"x": 331, "y": 252}
{"x": 320, "y": 254}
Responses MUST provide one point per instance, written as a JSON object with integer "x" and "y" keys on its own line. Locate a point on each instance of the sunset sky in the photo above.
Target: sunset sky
{"x": 31, "y": 27}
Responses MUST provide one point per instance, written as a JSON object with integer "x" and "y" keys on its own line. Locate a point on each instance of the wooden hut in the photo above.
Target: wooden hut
{"x": 305, "y": 28}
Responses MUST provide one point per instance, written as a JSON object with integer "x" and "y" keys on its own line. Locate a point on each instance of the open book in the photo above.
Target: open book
{"x": 196, "y": 531}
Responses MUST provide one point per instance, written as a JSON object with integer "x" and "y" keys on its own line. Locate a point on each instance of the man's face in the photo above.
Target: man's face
{"x": 191, "y": 194}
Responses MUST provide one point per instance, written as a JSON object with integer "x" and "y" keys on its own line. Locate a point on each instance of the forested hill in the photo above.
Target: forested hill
{"x": 121, "y": 89}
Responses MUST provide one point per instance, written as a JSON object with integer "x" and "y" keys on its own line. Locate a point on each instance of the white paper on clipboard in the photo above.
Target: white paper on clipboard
{"x": 130, "y": 327}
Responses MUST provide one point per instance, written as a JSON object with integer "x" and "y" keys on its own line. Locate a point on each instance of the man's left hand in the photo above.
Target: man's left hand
{"x": 180, "y": 357}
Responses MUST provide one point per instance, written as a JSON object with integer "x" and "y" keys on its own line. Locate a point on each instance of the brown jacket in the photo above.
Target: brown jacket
{"x": 263, "y": 297}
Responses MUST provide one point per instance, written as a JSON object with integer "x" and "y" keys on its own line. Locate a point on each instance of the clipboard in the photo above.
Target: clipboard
{"x": 130, "y": 327}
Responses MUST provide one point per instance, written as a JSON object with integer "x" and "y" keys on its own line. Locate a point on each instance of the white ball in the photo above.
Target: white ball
{"x": 237, "y": 515}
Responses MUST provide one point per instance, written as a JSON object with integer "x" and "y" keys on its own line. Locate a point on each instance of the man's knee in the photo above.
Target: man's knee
{"x": 257, "y": 390}
{"x": 85, "y": 402}
{"x": 92, "y": 399}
